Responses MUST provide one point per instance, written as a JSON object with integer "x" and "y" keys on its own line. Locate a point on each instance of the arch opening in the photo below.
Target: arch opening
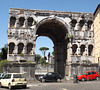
{"x": 56, "y": 31}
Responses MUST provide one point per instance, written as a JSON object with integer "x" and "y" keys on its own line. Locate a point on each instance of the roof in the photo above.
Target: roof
{"x": 96, "y": 9}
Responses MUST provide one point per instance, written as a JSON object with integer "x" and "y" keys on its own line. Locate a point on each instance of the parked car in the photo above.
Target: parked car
{"x": 2, "y": 75}
{"x": 89, "y": 75}
{"x": 13, "y": 79}
{"x": 50, "y": 76}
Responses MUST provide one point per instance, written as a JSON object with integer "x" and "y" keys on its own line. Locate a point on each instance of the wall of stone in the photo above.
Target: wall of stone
{"x": 80, "y": 69}
{"x": 27, "y": 68}
{"x": 23, "y": 24}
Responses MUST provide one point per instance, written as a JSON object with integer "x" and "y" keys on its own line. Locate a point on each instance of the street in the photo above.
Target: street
{"x": 69, "y": 85}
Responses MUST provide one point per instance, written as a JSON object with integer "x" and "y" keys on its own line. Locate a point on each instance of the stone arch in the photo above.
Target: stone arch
{"x": 63, "y": 23}
{"x": 56, "y": 30}
{"x": 82, "y": 49}
{"x": 90, "y": 49}
{"x": 11, "y": 47}
{"x": 73, "y": 22}
{"x": 21, "y": 21}
{"x": 20, "y": 48}
{"x": 74, "y": 49}
{"x": 30, "y": 21}
{"x": 12, "y": 21}
{"x": 29, "y": 47}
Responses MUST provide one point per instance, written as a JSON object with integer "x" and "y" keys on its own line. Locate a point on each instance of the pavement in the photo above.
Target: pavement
{"x": 64, "y": 85}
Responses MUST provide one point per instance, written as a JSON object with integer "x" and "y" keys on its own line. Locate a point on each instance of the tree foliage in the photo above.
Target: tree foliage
{"x": 37, "y": 58}
{"x": 43, "y": 50}
{"x": 53, "y": 53}
{"x": 42, "y": 61}
{"x": 2, "y": 64}
{"x": 3, "y": 53}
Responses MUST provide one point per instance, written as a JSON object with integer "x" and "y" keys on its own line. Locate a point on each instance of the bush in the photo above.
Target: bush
{"x": 22, "y": 54}
{"x": 2, "y": 64}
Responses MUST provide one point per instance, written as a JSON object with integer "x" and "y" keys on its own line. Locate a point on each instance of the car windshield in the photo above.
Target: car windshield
{"x": 18, "y": 76}
{"x": 49, "y": 74}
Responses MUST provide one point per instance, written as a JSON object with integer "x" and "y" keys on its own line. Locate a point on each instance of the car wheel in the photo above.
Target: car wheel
{"x": 9, "y": 86}
{"x": 83, "y": 79}
{"x": 0, "y": 85}
{"x": 24, "y": 86}
{"x": 43, "y": 80}
{"x": 97, "y": 78}
{"x": 58, "y": 80}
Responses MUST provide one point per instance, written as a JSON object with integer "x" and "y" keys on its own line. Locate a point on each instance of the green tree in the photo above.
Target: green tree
{"x": 43, "y": 50}
{"x": 3, "y": 53}
{"x": 53, "y": 53}
{"x": 42, "y": 61}
{"x": 37, "y": 58}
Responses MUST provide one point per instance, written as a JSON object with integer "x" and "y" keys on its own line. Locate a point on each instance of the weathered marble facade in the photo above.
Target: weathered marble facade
{"x": 71, "y": 32}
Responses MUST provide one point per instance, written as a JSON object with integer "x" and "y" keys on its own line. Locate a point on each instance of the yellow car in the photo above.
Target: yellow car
{"x": 13, "y": 79}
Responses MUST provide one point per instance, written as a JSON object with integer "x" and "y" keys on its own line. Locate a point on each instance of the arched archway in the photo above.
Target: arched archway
{"x": 56, "y": 30}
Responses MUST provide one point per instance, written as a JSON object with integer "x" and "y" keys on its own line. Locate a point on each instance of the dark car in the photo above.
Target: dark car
{"x": 50, "y": 76}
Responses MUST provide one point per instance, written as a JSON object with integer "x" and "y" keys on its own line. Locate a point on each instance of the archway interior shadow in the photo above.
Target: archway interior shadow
{"x": 56, "y": 31}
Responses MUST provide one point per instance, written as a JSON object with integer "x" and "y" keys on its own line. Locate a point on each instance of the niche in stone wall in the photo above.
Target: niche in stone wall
{"x": 89, "y": 23}
{"x": 82, "y": 49}
{"x": 30, "y": 21}
{"x": 90, "y": 49}
{"x": 74, "y": 49}
{"x": 81, "y": 23}
{"x": 73, "y": 23}
{"x": 29, "y": 48}
{"x": 12, "y": 21}
{"x": 20, "y": 48}
{"x": 11, "y": 48}
{"x": 21, "y": 21}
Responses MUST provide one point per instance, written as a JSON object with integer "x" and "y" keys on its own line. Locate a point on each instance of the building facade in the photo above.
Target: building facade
{"x": 71, "y": 32}
{"x": 97, "y": 33}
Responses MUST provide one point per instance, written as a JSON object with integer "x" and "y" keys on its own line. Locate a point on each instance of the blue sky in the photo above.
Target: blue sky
{"x": 58, "y": 5}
